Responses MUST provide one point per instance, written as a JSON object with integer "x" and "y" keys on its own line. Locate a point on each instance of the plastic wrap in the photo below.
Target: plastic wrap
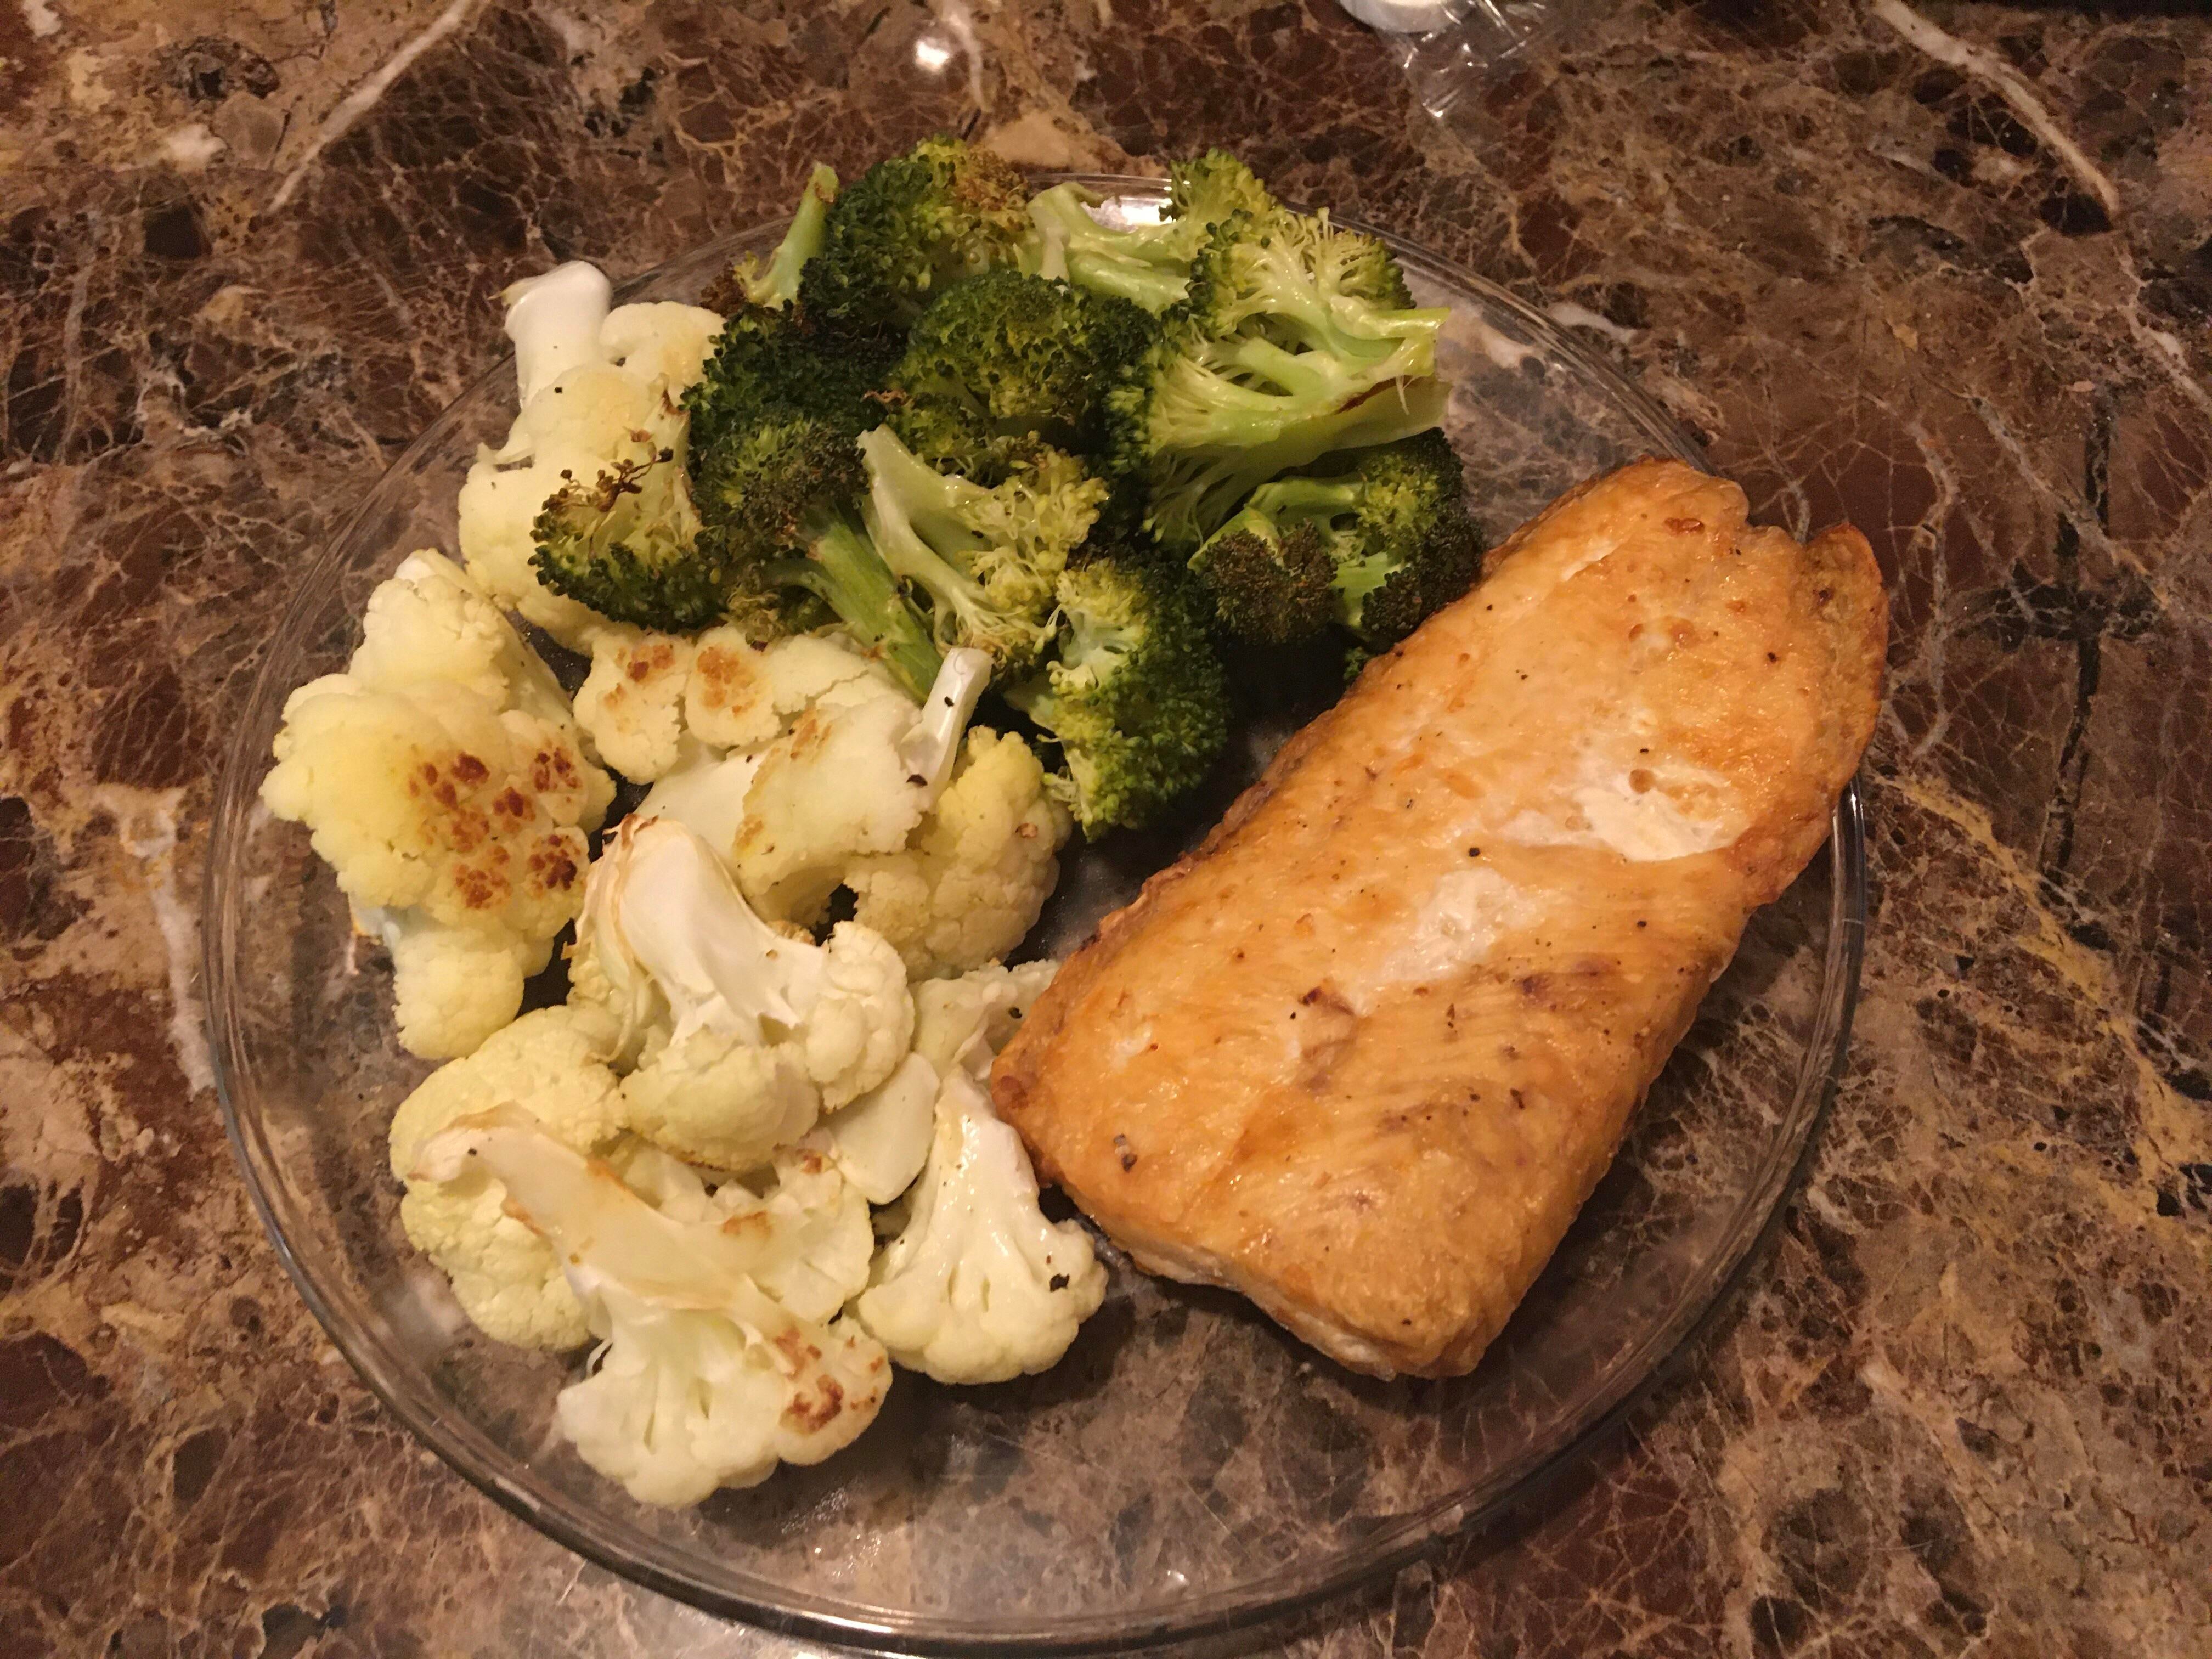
{"x": 1450, "y": 48}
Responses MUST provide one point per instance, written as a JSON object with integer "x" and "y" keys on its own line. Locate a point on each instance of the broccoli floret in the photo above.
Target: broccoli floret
{"x": 987, "y": 559}
{"x": 1377, "y": 543}
{"x": 776, "y": 284}
{"x": 1136, "y": 699}
{"x": 907, "y": 228}
{"x": 766, "y": 358}
{"x": 1278, "y": 355}
{"x": 776, "y": 500}
{"x": 628, "y": 545}
{"x": 1004, "y": 357}
{"x": 1268, "y": 577}
{"x": 1149, "y": 264}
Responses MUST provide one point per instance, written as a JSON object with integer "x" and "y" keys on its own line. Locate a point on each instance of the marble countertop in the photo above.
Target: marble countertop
{"x": 1947, "y": 271}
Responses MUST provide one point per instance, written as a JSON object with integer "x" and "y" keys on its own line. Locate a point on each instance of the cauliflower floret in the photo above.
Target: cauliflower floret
{"x": 820, "y": 1220}
{"x": 742, "y": 695}
{"x": 976, "y": 871}
{"x": 852, "y": 777}
{"x": 978, "y": 1287}
{"x": 660, "y": 339}
{"x": 702, "y": 1379}
{"x": 830, "y": 790}
{"x": 713, "y": 1098}
{"x": 951, "y": 1014}
{"x": 432, "y": 622}
{"x": 429, "y": 797}
{"x": 654, "y": 703}
{"x": 440, "y": 779}
{"x": 743, "y": 1034}
{"x": 631, "y": 704}
{"x": 590, "y": 380}
{"x": 505, "y": 1276}
{"x": 453, "y": 986}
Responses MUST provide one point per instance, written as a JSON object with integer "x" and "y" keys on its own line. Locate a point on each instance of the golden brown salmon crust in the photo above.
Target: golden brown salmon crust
{"x": 1363, "y": 1055}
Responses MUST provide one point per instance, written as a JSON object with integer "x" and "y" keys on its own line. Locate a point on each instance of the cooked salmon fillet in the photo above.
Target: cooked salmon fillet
{"x": 1363, "y": 1054}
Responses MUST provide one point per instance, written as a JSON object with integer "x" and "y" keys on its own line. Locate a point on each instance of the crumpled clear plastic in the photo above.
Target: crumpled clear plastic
{"x": 1450, "y": 49}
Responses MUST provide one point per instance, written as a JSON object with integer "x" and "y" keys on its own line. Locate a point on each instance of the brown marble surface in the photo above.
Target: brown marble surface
{"x": 249, "y": 248}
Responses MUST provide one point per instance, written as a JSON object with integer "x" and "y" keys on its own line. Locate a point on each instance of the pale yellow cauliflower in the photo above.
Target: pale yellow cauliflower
{"x": 653, "y": 703}
{"x": 506, "y": 1277}
{"x": 975, "y": 871}
{"x": 440, "y": 779}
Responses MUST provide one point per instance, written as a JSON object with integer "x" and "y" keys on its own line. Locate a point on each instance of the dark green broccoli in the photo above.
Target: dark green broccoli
{"x": 1269, "y": 579}
{"x": 628, "y": 545}
{"x": 1136, "y": 698}
{"x": 1376, "y": 542}
{"x": 749, "y": 283}
{"x": 908, "y": 226}
{"x": 1277, "y": 355}
{"x": 1149, "y": 264}
{"x": 776, "y": 502}
{"x": 1006, "y": 357}
{"x": 987, "y": 559}
{"x": 766, "y": 358}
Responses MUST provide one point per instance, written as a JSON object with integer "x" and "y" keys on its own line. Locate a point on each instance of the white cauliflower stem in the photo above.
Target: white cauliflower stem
{"x": 442, "y": 782}
{"x": 979, "y": 1287}
{"x": 703, "y": 1379}
{"x": 951, "y": 1014}
{"x": 745, "y": 1034}
{"x": 882, "y": 1140}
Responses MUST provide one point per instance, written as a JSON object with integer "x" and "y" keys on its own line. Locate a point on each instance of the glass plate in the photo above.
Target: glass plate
{"x": 1188, "y": 1467}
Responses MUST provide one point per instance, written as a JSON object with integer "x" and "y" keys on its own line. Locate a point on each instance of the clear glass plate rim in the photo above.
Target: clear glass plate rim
{"x": 772, "y": 1605}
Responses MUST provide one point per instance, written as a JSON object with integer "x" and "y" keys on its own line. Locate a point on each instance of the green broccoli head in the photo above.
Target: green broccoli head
{"x": 1200, "y": 423}
{"x": 908, "y": 226}
{"x": 1385, "y": 529}
{"x": 1271, "y": 360}
{"x": 769, "y": 359}
{"x": 776, "y": 283}
{"x": 1207, "y": 189}
{"x": 1269, "y": 581}
{"x": 628, "y": 545}
{"x": 776, "y": 499}
{"x": 1006, "y": 357}
{"x": 1305, "y": 284}
{"x": 987, "y": 559}
{"x": 759, "y": 487}
{"x": 1136, "y": 699}
{"x": 1148, "y": 264}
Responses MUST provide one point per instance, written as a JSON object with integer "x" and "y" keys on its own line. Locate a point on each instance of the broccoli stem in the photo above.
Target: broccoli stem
{"x": 1153, "y": 287}
{"x": 1194, "y": 497}
{"x": 1349, "y": 327}
{"x": 778, "y": 285}
{"x": 928, "y": 500}
{"x": 1149, "y": 265}
{"x": 843, "y": 569}
{"x": 1307, "y": 498}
